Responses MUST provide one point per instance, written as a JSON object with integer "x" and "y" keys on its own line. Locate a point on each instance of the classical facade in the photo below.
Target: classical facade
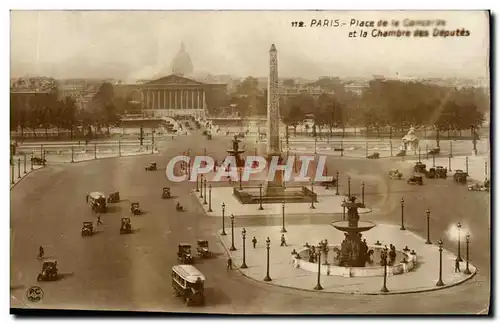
{"x": 175, "y": 95}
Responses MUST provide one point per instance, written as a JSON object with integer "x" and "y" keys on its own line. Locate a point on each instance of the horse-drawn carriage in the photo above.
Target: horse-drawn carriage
{"x": 395, "y": 174}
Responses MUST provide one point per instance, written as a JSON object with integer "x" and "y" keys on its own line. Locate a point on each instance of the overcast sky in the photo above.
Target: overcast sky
{"x": 140, "y": 44}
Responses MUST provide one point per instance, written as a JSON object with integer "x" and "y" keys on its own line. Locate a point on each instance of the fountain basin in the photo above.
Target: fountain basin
{"x": 374, "y": 270}
{"x": 363, "y": 226}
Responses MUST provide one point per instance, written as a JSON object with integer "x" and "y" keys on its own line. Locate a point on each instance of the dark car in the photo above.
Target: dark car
{"x": 416, "y": 180}
{"x": 441, "y": 172}
{"x": 434, "y": 151}
{"x": 375, "y": 155}
{"x": 49, "y": 271}
{"x": 114, "y": 197}
{"x": 460, "y": 176}
{"x": 419, "y": 167}
{"x": 166, "y": 193}
{"x": 134, "y": 208}
{"x": 431, "y": 174}
{"x": 184, "y": 253}
{"x": 87, "y": 229}
{"x": 202, "y": 249}
{"x": 38, "y": 161}
{"x": 126, "y": 226}
{"x": 151, "y": 167}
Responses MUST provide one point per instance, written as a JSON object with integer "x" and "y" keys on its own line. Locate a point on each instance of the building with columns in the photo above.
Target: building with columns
{"x": 175, "y": 95}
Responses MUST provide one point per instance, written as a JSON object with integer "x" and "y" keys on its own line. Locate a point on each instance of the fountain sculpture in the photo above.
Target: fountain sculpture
{"x": 353, "y": 251}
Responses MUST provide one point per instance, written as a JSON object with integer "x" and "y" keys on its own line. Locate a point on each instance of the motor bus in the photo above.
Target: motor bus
{"x": 188, "y": 283}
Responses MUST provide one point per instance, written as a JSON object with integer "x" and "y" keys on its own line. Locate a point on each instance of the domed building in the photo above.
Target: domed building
{"x": 181, "y": 64}
{"x": 176, "y": 95}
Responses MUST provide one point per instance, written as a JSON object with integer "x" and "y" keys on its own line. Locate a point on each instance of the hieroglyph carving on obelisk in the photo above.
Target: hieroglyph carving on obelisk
{"x": 273, "y": 112}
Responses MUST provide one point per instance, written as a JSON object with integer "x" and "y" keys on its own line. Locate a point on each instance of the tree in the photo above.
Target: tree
{"x": 294, "y": 116}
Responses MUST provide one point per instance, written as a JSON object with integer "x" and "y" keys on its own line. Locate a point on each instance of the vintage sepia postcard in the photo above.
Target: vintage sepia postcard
{"x": 250, "y": 162}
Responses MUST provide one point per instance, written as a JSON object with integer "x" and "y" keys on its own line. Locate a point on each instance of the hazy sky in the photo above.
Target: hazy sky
{"x": 140, "y": 44}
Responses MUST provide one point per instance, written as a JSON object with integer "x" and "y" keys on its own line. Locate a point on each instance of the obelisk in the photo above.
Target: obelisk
{"x": 274, "y": 187}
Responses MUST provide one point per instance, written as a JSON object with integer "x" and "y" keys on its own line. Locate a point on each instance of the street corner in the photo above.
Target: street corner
{"x": 270, "y": 250}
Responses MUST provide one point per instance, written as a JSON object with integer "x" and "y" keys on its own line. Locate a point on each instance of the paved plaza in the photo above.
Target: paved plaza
{"x": 328, "y": 203}
{"x": 422, "y": 278}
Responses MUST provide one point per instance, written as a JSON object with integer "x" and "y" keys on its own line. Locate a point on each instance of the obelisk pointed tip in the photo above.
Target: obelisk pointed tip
{"x": 273, "y": 48}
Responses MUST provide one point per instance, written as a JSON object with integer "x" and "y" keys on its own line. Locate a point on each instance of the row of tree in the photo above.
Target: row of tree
{"x": 49, "y": 111}
{"x": 392, "y": 104}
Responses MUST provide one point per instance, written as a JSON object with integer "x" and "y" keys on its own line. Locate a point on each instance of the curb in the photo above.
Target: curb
{"x": 404, "y": 292}
{"x": 12, "y": 186}
{"x": 104, "y": 158}
{"x": 198, "y": 199}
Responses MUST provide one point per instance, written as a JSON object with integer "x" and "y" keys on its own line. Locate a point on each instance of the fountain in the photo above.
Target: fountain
{"x": 410, "y": 142}
{"x": 353, "y": 251}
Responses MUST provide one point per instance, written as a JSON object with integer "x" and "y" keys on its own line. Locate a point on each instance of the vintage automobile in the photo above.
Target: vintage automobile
{"x": 434, "y": 151}
{"x": 97, "y": 201}
{"x": 135, "y": 208}
{"x": 419, "y": 167}
{"x": 375, "y": 155}
{"x": 184, "y": 253}
{"x": 401, "y": 153}
{"x": 441, "y": 172}
{"x": 431, "y": 174}
{"x": 114, "y": 197}
{"x": 479, "y": 186}
{"x": 188, "y": 283}
{"x": 49, "y": 271}
{"x": 416, "y": 180}
{"x": 460, "y": 176}
{"x": 38, "y": 161}
{"x": 126, "y": 226}
{"x": 87, "y": 229}
{"x": 166, "y": 193}
{"x": 395, "y": 174}
{"x": 202, "y": 249}
{"x": 151, "y": 167}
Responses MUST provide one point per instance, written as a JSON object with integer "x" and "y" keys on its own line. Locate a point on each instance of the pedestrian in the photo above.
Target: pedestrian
{"x": 41, "y": 252}
{"x": 229, "y": 264}
{"x": 99, "y": 219}
{"x": 457, "y": 265}
{"x": 283, "y": 240}
{"x": 254, "y": 242}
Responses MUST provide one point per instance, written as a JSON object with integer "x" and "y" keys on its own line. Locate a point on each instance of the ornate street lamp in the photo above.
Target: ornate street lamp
{"x": 467, "y": 270}
{"x": 197, "y": 177}
{"x": 363, "y": 193}
{"x": 383, "y": 256}
{"x": 419, "y": 154}
{"x": 243, "y": 236}
{"x": 232, "y": 248}
{"x": 210, "y": 198}
{"x": 240, "y": 173}
{"x": 260, "y": 197}
{"x": 337, "y": 184}
{"x": 402, "y": 214}
{"x": 268, "y": 246}
{"x": 25, "y": 163}
{"x": 343, "y": 209}
{"x": 283, "y": 229}
{"x": 349, "y": 186}
{"x": 318, "y": 255}
{"x": 72, "y": 154}
{"x": 440, "y": 283}
{"x": 205, "y": 196}
{"x": 19, "y": 168}
{"x": 449, "y": 161}
{"x": 31, "y": 160}
{"x": 428, "y": 213}
{"x": 223, "y": 212}
{"x": 459, "y": 258}
{"x": 312, "y": 195}
{"x": 201, "y": 185}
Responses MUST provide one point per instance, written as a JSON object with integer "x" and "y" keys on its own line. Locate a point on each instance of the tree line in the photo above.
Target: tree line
{"x": 47, "y": 110}
{"x": 384, "y": 104}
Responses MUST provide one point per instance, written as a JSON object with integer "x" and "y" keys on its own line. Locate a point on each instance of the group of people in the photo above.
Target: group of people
{"x": 254, "y": 244}
{"x": 388, "y": 254}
